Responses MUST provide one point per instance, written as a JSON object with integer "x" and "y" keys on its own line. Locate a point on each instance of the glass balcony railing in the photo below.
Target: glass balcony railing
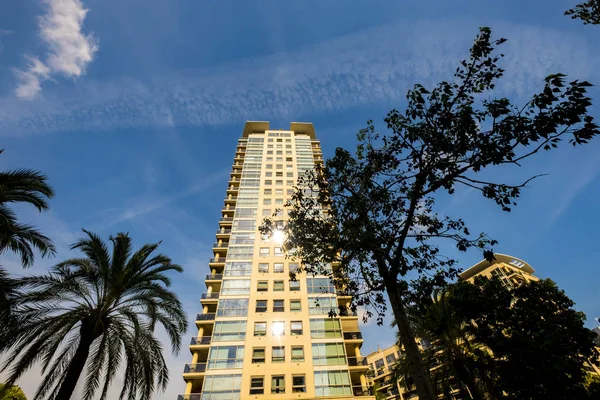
{"x": 357, "y": 361}
{"x": 221, "y": 245}
{"x": 217, "y": 260}
{"x": 205, "y": 317}
{"x": 214, "y": 277}
{"x": 194, "y": 368}
{"x": 199, "y": 341}
{"x": 210, "y": 295}
{"x": 223, "y": 231}
{"x": 226, "y": 219}
{"x": 352, "y": 335}
{"x": 191, "y": 396}
{"x": 360, "y": 391}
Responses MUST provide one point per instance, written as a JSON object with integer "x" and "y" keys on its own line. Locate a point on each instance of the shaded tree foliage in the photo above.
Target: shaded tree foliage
{"x": 371, "y": 213}
{"x": 538, "y": 341}
{"x": 99, "y": 313}
{"x": 11, "y": 393}
{"x": 588, "y": 12}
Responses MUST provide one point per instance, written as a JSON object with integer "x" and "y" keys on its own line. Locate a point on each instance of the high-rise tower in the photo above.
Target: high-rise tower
{"x": 260, "y": 335}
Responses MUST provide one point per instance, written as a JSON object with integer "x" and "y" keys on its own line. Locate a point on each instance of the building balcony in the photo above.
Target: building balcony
{"x": 191, "y": 371}
{"x": 347, "y": 312}
{"x": 359, "y": 362}
{"x": 353, "y": 336}
{"x": 360, "y": 391}
{"x": 191, "y": 396}
{"x": 209, "y": 298}
{"x": 203, "y": 319}
{"x": 216, "y": 261}
{"x": 342, "y": 293}
{"x": 225, "y": 220}
{"x": 220, "y": 246}
{"x": 199, "y": 342}
{"x": 214, "y": 277}
{"x": 233, "y": 190}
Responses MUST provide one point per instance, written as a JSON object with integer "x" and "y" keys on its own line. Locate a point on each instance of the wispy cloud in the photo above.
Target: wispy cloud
{"x": 352, "y": 70}
{"x": 70, "y": 50}
{"x": 145, "y": 205}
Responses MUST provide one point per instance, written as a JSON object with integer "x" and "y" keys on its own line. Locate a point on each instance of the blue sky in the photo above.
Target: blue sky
{"x": 133, "y": 110}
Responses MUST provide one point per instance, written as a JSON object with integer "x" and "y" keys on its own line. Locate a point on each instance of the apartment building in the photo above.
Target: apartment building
{"x": 261, "y": 335}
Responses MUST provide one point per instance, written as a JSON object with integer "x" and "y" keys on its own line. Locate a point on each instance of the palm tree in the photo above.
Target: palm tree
{"x": 98, "y": 312}
{"x": 30, "y": 187}
{"x": 453, "y": 356}
{"x": 20, "y": 186}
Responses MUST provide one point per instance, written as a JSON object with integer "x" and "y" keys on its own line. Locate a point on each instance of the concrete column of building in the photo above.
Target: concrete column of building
{"x": 205, "y": 310}
{"x": 209, "y": 289}
{"x": 194, "y": 358}
{"x": 200, "y": 332}
{"x": 188, "y": 387}
{"x": 357, "y": 352}
{"x": 363, "y": 382}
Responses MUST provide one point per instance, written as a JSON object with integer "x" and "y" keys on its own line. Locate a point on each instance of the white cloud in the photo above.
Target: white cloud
{"x": 70, "y": 50}
{"x": 362, "y": 68}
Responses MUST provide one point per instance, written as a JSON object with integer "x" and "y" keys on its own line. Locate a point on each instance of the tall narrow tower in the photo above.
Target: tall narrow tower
{"x": 260, "y": 335}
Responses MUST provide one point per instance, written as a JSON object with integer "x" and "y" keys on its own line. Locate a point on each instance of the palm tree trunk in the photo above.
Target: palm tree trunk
{"x": 413, "y": 356}
{"x": 77, "y": 364}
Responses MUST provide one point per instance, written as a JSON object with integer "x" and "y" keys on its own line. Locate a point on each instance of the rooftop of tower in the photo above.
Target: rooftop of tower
{"x": 306, "y": 128}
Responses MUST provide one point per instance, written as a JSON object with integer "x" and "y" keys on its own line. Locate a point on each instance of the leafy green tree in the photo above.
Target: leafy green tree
{"x": 372, "y": 214}
{"x": 539, "y": 342}
{"x": 98, "y": 312}
{"x": 588, "y": 12}
{"x": 11, "y": 393}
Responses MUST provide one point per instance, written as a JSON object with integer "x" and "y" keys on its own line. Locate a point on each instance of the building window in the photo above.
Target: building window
{"x": 263, "y": 267}
{"x": 278, "y": 268}
{"x": 290, "y": 192}
{"x": 390, "y": 358}
{"x": 319, "y": 285}
{"x": 294, "y": 286}
{"x": 277, "y": 384}
{"x": 269, "y": 166}
{"x": 379, "y": 364}
{"x": 233, "y": 308}
{"x": 278, "y": 306}
{"x": 328, "y": 354}
{"x": 258, "y": 355}
{"x": 242, "y": 238}
{"x": 278, "y": 354}
{"x": 235, "y": 286}
{"x": 267, "y": 202}
{"x": 261, "y": 305}
{"x": 267, "y": 192}
{"x": 222, "y": 386}
{"x": 279, "y": 202}
{"x": 295, "y": 305}
{"x": 289, "y": 182}
{"x": 279, "y": 182}
{"x": 266, "y": 212}
{"x": 260, "y": 328}
{"x": 278, "y": 191}
{"x": 332, "y": 383}
{"x": 278, "y": 328}
{"x": 325, "y": 328}
{"x": 297, "y": 353}
{"x": 293, "y": 268}
{"x": 298, "y": 384}
{"x": 268, "y": 182}
{"x": 262, "y": 286}
{"x": 318, "y": 305}
{"x": 229, "y": 330}
{"x": 296, "y": 328}
{"x": 289, "y": 174}
{"x": 257, "y": 385}
{"x": 238, "y": 269}
{"x": 278, "y": 286}
{"x": 278, "y": 251}
{"x": 264, "y": 251}
{"x": 225, "y": 357}
{"x": 279, "y": 166}
{"x": 279, "y": 174}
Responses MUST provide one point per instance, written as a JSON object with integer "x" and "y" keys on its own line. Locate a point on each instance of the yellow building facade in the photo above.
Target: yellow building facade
{"x": 510, "y": 270}
{"x": 261, "y": 335}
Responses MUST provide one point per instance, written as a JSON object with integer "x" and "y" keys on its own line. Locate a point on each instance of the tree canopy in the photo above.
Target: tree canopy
{"x": 372, "y": 212}
{"x": 539, "y": 343}
{"x": 11, "y": 393}
{"x": 588, "y": 12}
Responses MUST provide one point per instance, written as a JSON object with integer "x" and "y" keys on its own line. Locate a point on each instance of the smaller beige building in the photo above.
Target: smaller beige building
{"x": 510, "y": 270}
